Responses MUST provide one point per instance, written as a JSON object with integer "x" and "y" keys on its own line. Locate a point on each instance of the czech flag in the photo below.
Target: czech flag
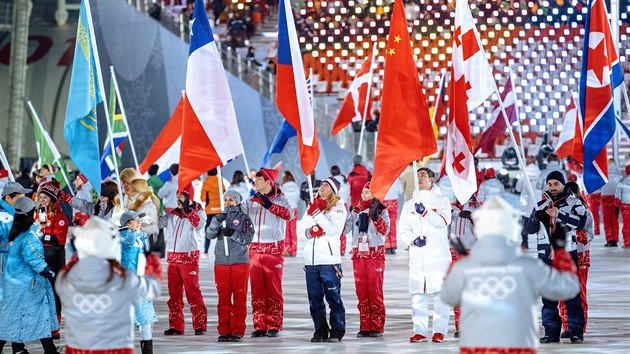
{"x": 292, "y": 97}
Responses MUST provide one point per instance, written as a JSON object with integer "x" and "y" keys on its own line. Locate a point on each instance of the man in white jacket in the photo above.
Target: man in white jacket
{"x": 423, "y": 226}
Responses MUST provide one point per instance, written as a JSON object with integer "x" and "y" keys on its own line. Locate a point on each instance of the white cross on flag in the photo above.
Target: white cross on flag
{"x": 471, "y": 84}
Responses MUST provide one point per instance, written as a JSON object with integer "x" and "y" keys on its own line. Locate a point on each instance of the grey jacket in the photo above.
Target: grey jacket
{"x": 497, "y": 288}
{"x": 241, "y": 223}
{"x": 375, "y": 238}
{"x": 99, "y": 314}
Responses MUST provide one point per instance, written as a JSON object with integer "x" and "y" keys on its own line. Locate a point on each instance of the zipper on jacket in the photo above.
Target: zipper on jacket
{"x": 177, "y": 235}
{"x": 330, "y": 248}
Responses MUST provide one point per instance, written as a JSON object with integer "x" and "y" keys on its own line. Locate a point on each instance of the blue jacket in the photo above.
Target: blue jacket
{"x": 28, "y": 310}
{"x": 6, "y": 221}
{"x": 133, "y": 245}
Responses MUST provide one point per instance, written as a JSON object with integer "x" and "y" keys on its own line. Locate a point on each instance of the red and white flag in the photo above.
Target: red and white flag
{"x": 471, "y": 84}
{"x": 496, "y": 126}
{"x": 564, "y": 147}
{"x": 210, "y": 135}
{"x": 358, "y": 102}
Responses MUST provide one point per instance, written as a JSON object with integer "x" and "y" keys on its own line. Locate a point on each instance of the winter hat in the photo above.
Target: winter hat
{"x": 234, "y": 195}
{"x": 628, "y": 170}
{"x": 109, "y": 189}
{"x": 14, "y": 187}
{"x": 128, "y": 216}
{"x": 557, "y": 175}
{"x": 82, "y": 177}
{"x": 188, "y": 190}
{"x": 357, "y": 159}
{"x": 129, "y": 174}
{"x": 97, "y": 238}
{"x": 24, "y": 205}
{"x": 367, "y": 185}
{"x": 269, "y": 174}
{"x": 333, "y": 183}
{"x": 51, "y": 189}
{"x": 490, "y": 173}
{"x": 497, "y": 218}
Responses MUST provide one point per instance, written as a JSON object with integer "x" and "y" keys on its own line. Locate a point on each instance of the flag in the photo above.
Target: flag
{"x": 119, "y": 132}
{"x": 353, "y": 108}
{"x": 405, "y": 132}
{"x": 285, "y": 132}
{"x": 496, "y": 125}
{"x": 292, "y": 96}
{"x": 166, "y": 148}
{"x": 47, "y": 152}
{"x": 80, "y": 127}
{"x": 471, "y": 84}
{"x": 601, "y": 74}
{"x": 439, "y": 109}
{"x": 564, "y": 147}
{"x": 211, "y": 136}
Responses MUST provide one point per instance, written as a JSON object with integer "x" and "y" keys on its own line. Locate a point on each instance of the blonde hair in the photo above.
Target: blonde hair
{"x": 128, "y": 175}
{"x": 331, "y": 201}
{"x": 142, "y": 187}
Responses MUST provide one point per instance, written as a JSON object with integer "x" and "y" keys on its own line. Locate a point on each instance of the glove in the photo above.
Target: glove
{"x": 558, "y": 237}
{"x": 65, "y": 197}
{"x": 419, "y": 241}
{"x": 321, "y": 203}
{"x": 374, "y": 210}
{"x": 315, "y": 231}
{"x": 466, "y": 214}
{"x": 420, "y": 208}
{"x": 154, "y": 267}
{"x": 262, "y": 199}
{"x": 313, "y": 209}
{"x": 221, "y": 217}
{"x": 363, "y": 222}
{"x": 48, "y": 273}
{"x": 226, "y": 231}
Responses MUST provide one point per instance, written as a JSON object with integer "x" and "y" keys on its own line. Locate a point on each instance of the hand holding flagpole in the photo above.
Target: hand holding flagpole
{"x": 226, "y": 247}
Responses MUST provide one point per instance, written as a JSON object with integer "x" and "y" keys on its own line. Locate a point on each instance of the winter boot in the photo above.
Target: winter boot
{"x": 146, "y": 346}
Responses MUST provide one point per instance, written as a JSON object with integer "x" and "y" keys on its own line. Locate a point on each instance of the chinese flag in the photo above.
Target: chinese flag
{"x": 405, "y": 129}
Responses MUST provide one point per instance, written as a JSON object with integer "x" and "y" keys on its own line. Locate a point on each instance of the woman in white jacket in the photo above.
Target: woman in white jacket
{"x": 292, "y": 191}
{"x": 139, "y": 198}
{"x": 322, "y": 225}
{"x": 423, "y": 226}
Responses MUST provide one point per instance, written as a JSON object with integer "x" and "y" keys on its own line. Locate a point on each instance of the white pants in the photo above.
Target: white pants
{"x": 420, "y": 314}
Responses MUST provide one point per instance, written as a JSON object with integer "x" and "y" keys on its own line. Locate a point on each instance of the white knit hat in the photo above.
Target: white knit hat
{"x": 97, "y": 238}
{"x": 497, "y": 218}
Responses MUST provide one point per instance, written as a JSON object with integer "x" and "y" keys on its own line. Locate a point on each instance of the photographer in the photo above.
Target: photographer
{"x": 558, "y": 205}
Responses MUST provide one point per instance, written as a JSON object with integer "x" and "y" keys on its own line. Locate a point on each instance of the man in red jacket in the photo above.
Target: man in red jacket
{"x": 357, "y": 178}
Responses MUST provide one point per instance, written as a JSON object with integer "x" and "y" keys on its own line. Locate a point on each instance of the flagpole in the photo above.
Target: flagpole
{"x": 308, "y": 177}
{"x": 367, "y": 98}
{"x": 226, "y": 248}
{"x": 518, "y": 116}
{"x": 124, "y": 115}
{"x": 415, "y": 175}
{"x": 5, "y": 163}
{"x": 507, "y": 120}
{"x": 101, "y": 86}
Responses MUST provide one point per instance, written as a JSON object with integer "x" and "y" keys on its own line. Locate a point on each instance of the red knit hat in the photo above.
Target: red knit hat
{"x": 367, "y": 185}
{"x": 490, "y": 173}
{"x": 269, "y": 174}
{"x": 82, "y": 177}
{"x": 188, "y": 190}
{"x": 51, "y": 189}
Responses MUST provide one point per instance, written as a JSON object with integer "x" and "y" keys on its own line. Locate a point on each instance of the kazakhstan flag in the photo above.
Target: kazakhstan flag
{"x": 80, "y": 128}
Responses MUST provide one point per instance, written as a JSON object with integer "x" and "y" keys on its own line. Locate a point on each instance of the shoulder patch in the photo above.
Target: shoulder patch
{"x": 61, "y": 223}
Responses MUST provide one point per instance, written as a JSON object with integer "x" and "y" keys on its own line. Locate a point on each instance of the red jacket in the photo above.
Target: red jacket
{"x": 56, "y": 225}
{"x": 357, "y": 178}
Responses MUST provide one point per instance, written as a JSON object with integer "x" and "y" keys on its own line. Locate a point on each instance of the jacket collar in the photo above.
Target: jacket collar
{"x": 7, "y": 207}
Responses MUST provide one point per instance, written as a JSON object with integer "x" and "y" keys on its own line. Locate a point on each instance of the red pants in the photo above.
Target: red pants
{"x": 343, "y": 241}
{"x": 467, "y": 350}
{"x": 290, "y": 236}
{"x": 368, "y": 280}
{"x": 231, "y": 282}
{"x": 611, "y": 218}
{"x": 594, "y": 201}
{"x": 70, "y": 350}
{"x": 625, "y": 230}
{"x": 392, "y": 209}
{"x": 185, "y": 277}
{"x": 584, "y": 263}
{"x": 266, "y": 283}
{"x": 457, "y": 311}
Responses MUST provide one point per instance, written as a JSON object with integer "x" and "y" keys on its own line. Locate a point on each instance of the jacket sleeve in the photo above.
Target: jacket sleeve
{"x": 540, "y": 184}
{"x": 59, "y": 227}
{"x": 405, "y": 229}
{"x": 127, "y": 237}
{"x": 281, "y": 208}
{"x": 575, "y": 216}
{"x": 33, "y": 252}
{"x": 212, "y": 231}
{"x": 554, "y": 285}
{"x": 382, "y": 224}
{"x": 163, "y": 220}
{"x": 532, "y": 225}
{"x": 333, "y": 222}
{"x": 351, "y": 221}
{"x": 84, "y": 206}
{"x": 167, "y": 188}
{"x": 483, "y": 190}
{"x": 150, "y": 220}
{"x": 142, "y": 288}
{"x": 246, "y": 234}
{"x": 304, "y": 225}
{"x": 440, "y": 218}
{"x": 519, "y": 183}
{"x": 453, "y": 285}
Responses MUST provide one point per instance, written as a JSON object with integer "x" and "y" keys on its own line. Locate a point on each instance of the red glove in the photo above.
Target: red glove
{"x": 563, "y": 262}
{"x": 321, "y": 203}
{"x": 65, "y": 197}
{"x": 364, "y": 204}
{"x": 193, "y": 217}
{"x": 313, "y": 208}
{"x": 153, "y": 267}
{"x": 315, "y": 231}
{"x": 581, "y": 237}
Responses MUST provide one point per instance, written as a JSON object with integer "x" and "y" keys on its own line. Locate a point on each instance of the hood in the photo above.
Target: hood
{"x": 290, "y": 187}
{"x": 7, "y": 207}
{"x": 360, "y": 170}
{"x": 494, "y": 251}
{"x": 89, "y": 275}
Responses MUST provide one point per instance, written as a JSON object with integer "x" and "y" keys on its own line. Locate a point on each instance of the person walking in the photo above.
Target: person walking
{"x": 610, "y": 213}
{"x": 292, "y": 192}
{"x": 622, "y": 201}
{"x": 168, "y": 192}
{"x": 210, "y": 196}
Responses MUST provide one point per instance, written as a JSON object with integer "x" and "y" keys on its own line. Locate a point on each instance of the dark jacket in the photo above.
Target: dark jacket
{"x": 239, "y": 224}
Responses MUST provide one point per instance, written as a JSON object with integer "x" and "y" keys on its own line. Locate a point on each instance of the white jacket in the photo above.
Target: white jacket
{"x": 168, "y": 193}
{"x": 428, "y": 264}
{"x": 532, "y": 172}
{"x": 324, "y": 249}
{"x": 292, "y": 191}
{"x": 490, "y": 188}
{"x": 623, "y": 191}
{"x": 344, "y": 189}
{"x": 242, "y": 188}
{"x": 614, "y": 177}
{"x": 182, "y": 235}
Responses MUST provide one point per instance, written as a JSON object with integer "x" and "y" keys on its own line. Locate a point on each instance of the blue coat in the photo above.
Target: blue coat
{"x": 6, "y": 221}
{"x": 28, "y": 310}
{"x": 132, "y": 245}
